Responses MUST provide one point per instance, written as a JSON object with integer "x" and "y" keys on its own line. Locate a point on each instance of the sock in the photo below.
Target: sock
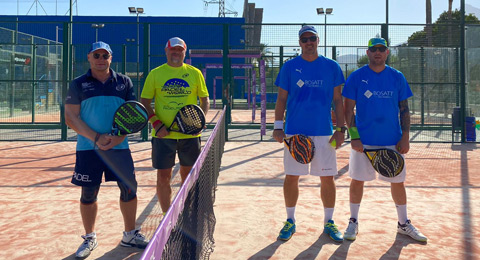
{"x": 354, "y": 209}
{"x": 328, "y": 214}
{"x": 131, "y": 232}
{"x": 291, "y": 213}
{"x": 402, "y": 214}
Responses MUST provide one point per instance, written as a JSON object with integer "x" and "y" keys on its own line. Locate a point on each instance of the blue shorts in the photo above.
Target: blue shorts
{"x": 116, "y": 163}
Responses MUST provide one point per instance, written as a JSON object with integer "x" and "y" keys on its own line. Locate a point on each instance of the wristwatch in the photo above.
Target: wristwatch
{"x": 341, "y": 129}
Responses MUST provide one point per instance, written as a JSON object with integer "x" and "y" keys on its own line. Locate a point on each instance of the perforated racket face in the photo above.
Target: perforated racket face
{"x": 301, "y": 148}
{"x": 189, "y": 120}
{"x": 130, "y": 117}
{"x": 386, "y": 162}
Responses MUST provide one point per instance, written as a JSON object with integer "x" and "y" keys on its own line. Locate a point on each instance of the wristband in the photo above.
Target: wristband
{"x": 354, "y": 133}
{"x": 278, "y": 125}
{"x": 152, "y": 118}
{"x": 157, "y": 122}
{"x": 341, "y": 129}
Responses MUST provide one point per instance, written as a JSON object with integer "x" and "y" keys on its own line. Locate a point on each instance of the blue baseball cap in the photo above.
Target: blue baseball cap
{"x": 100, "y": 46}
{"x": 377, "y": 41}
{"x": 307, "y": 28}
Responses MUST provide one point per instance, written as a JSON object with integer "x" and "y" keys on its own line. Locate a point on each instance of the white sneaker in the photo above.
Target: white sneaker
{"x": 88, "y": 245}
{"x": 352, "y": 230}
{"x": 134, "y": 240}
{"x": 409, "y": 230}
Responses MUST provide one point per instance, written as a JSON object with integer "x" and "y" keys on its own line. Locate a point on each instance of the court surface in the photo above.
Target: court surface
{"x": 40, "y": 208}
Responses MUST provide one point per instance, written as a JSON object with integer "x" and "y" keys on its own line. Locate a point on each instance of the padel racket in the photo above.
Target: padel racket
{"x": 301, "y": 147}
{"x": 386, "y": 162}
{"x": 189, "y": 120}
{"x": 130, "y": 117}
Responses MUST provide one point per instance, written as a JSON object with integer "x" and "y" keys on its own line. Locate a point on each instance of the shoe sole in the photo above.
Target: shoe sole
{"x": 285, "y": 239}
{"x": 132, "y": 245}
{"x": 349, "y": 238}
{"x": 418, "y": 240}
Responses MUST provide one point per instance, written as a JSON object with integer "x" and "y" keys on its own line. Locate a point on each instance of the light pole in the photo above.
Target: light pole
{"x": 137, "y": 11}
{"x": 325, "y": 12}
{"x": 96, "y": 26}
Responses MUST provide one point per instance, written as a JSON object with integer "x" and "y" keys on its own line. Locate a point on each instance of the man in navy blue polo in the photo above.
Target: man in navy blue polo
{"x": 90, "y": 105}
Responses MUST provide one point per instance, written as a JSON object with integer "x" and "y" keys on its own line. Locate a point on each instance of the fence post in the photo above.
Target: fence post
{"x": 67, "y": 63}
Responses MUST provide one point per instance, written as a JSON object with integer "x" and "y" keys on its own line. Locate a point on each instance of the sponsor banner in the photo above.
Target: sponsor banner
{"x": 22, "y": 59}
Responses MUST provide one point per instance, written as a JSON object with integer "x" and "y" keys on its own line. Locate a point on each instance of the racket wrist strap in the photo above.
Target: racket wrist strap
{"x": 353, "y": 131}
{"x": 278, "y": 125}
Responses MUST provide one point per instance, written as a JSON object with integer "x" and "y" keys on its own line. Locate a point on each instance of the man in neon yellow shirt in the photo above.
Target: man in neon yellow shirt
{"x": 173, "y": 85}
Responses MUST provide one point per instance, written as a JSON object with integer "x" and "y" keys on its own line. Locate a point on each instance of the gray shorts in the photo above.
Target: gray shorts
{"x": 164, "y": 151}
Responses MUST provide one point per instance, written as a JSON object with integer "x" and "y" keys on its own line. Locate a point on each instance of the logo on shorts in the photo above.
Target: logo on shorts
{"x": 81, "y": 177}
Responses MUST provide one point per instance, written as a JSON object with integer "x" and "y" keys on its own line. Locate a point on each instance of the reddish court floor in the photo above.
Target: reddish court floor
{"x": 40, "y": 215}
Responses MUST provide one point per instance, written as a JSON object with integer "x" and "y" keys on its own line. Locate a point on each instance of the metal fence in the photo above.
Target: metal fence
{"x": 33, "y": 81}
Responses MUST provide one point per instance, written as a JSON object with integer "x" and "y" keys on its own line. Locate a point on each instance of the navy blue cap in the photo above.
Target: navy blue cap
{"x": 100, "y": 45}
{"x": 307, "y": 28}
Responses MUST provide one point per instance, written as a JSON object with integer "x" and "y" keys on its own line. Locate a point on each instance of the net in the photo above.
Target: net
{"x": 186, "y": 231}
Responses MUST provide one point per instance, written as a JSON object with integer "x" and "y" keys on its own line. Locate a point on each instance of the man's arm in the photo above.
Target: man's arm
{"x": 72, "y": 119}
{"x": 280, "y": 107}
{"x": 339, "y": 137}
{"x": 403, "y": 146}
{"x": 350, "y": 120}
{"x": 204, "y": 104}
{"x": 160, "y": 128}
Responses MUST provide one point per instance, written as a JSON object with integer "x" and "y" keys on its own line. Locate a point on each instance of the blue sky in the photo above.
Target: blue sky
{"x": 275, "y": 11}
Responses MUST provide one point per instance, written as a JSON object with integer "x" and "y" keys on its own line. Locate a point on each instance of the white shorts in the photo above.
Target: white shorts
{"x": 361, "y": 169}
{"x": 324, "y": 161}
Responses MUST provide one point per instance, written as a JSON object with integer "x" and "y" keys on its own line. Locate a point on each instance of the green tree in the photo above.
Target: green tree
{"x": 441, "y": 34}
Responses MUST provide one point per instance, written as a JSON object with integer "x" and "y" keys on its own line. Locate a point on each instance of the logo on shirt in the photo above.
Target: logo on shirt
{"x": 176, "y": 87}
{"x": 86, "y": 86}
{"x": 120, "y": 87}
{"x": 298, "y": 70}
{"x": 185, "y": 75}
{"x": 378, "y": 94}
{"x": 365, "y": 81}
{"x": 300, "y": 83}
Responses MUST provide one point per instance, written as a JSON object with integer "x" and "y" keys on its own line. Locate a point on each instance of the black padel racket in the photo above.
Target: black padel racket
{"x": 189, "y": 120}
{"x": 301, "y": 147}
{"x": 130, "y": 117}
{"x": 386, "y": 162}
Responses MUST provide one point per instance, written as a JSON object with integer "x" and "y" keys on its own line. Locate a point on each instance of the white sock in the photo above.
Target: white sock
{"x": 131, "y": 232}
{"x": 354, "y": 209}
{"x": 93, "y": 234}
{"x": 402, "y": 213}
{"x": 328, "y": 214}
{"x": 291, "y": 213}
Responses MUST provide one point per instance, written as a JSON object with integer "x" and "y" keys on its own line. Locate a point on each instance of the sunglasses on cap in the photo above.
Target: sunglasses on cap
{"x": 311, "y": 38}
{"x": 374, "y": 49}
{"x": 97, "y": 56}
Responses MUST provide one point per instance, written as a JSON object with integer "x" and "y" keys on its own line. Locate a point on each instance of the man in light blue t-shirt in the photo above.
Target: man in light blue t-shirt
{"x": 307, "y": 86}
{"x": 382, "y": 120}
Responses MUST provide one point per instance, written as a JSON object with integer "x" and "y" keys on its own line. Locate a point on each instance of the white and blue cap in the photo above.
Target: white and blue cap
{"x": 307, "y": 28}
{"x": 100, "y": 46}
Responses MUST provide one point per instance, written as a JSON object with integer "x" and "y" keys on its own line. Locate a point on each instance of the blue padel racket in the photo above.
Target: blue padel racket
{"x": 301, "y": 147}
{"x": 131, "y": 117}
{"x": 386, "y": 162}
{"x": 189, "y": 120}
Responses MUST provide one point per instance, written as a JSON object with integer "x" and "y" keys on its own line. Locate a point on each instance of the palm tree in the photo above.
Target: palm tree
{"x": 450, "y": 2}
{"x": 428, "y": 28}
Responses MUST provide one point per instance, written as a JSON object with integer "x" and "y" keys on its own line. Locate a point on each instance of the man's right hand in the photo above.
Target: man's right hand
{"x": 278, "y": 135}
{"x": 161, "y": 131}
{"x": 357, "y": 145}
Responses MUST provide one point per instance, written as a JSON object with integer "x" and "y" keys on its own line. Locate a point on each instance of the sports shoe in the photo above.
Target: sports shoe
{"x": 287, "y": 231}
{"x": 409, "y": 230}
{"x": 134, "y": 240}
{"x": 84, "y": 250}
{"x": 352, "y": 230}
{"x": 331, "y": 230}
